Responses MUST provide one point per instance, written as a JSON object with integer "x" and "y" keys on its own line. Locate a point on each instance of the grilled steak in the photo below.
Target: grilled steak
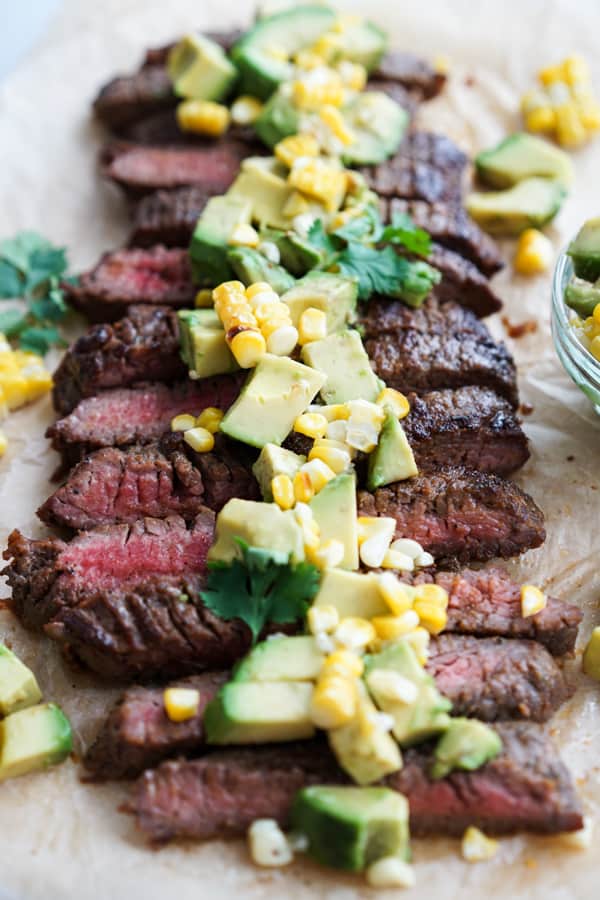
{"x": 462, "y": 282}
{"x": 439, "y": 345}
{"x": 457, "y": 513}
{"x": 526, "y": 788}
{"x": 138, "y": 733}
{"x": 225, "y": 39}
{"x": 168, "y": 217}
{"x": 412, "y": 72}
{"x": 140, "y": 347}
{"x": 131, "y": 97}
{"x": 49, "y": 575}
{"x": 140, "y": 170}
{"x": 452, "y": 227}
{"x": 114, "y": 485}
{"x": 161, "y": 129}
{"x": 133, "y": 415}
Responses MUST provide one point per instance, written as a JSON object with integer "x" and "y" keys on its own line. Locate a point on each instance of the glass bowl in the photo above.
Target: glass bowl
{"x": 577, "y": 361}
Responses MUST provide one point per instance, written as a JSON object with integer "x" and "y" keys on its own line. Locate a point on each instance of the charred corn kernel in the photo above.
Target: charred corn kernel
{"x": 203, "y": 117}
{"x": 397, "y": 595}
{"x": 199, "y": 439}
{"x": 433, "y": 593}
{"x": 282, "y": 489}
{"x": 328, "y": 555}
{"x": 183, "y": 422}
{"x": 244, "y": 235}
{"x": 353, "y": 75}
{"x": 343, "y": 662}
{"x": 282, "y": 341}
{"x": 419, "y": 640}
{"x": 395, "y": 560}
{"x": 181, "y": 703}
{"x": 241, "y": 327}
{"x": 303, "y": 489}
{"x": 323, "y": 619}
{"x": 394, "y": 401}
{"x": 390, "y": 872}
{"x": 295, "y": 147}
{"x": 393, "y": 686}
{"x": 210, "y": 418}
{"x": 203, "y": 299}
{"x": 431, "y": 616}
{"x": 248, "y": 347}
{"x": 310, "y": 529}
{"x": 534, "y": 252}
{"x": 333, "y": 702}
{"x": 390, "y": 628}
{"x": 245, "y": 110}
{"x": 312, "y": 326}
{"x": 333, "y": 119}
{"x": 3, "y": 443}
{"x": 318, "y": 472}
{"x": 476, "y": 846}
{"x": 295, "y": 205}
{"x": 570, "y": 130}
{"x": 533, "y": 600}
{"x": 312, "y": 95}
{"x": 268, "y": 845}
{"x": 319, "y": 178}
{"x": 354, "y": 633}
{"x": 313, "y": 425}
{"x": 334, "y": 458}
{"x": 591, "y": 655}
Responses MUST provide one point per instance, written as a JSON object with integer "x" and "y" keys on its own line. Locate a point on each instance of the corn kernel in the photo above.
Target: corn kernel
{"x": 395, "y": 560}
{"x": 343, "y": 662}
{"x": 431, "y": 616}
{"x": 591, "y": 655}
{"x": 338, "y": 431}
{"x": 244, "y": 235}
{"x": 183, "y": 422}
{"x": 3, "y": 443}
{"x": 319, "y": 473}
{"x": 210, "y": 418}
{"x": 533, "y": 600}
{"x": 333, "y": 702}
{"x": 310, "y": 529}
{"x": 323, "y": 618}
{"x": 354, "y": 633}
{"x": 393, "y": 686}
{"x": 433, "y": 593}
{"x": 395, "y": 402}
{"x": 476, "y": 846}
{"x": 312, "y": 326}
{"x": 333, "y": 119}
{"x": 407, "y": 546}
{"x": 374, "y": 539}
{"x": 305, "y": 59}
{"x": 575, "y": 69}
{"x": 543, "y": 118}
{"x": 181, "y": 704}
{"x": 397, "y": 595}
{"x": 203, "y": 299}
{"x": 570, "y": 131}
{"x": 268, "y": 845}
{"x": 257, "y": 287}
{"x": 295, "y": 205}
{"x": 282, "y": 341}
{"x": 353, "y": 75}
{"x": 321, "y": 179}
{"x": 534, "y": 252}
{"x": 595, "y": 347}
{"x": 203, "y": 117}
{"x": 419, "y": 640}
{"x": 199, "y": 439}
{"x": 245, "y": 110}
{"x": 391, "y": 872}
{"x": 303, "y": 489}
{"x": 312, "y": 96}
{"x": 335, "y": 458}
{"x": 297, "y": 146}
{"x": 390, "y": 628}
{"x": 328, "y": 555}
{"x": 550, "y": 75}
{"x": 15, "y": 389}
{"x": 312, "y": 425}
{"x": 248, "y": 347}
{"x": 282, "y": 489}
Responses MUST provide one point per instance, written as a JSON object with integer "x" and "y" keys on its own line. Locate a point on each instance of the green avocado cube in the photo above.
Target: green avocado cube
{"x": 262, "y": 183}
{"x": 18, "y": 686}
{"x": 248, "y": 712}
{"x": 274, "y": 460}
{"x": 33, "y": 738}
{"x": 585, "y": 251}
{"x": 343, "y": 361}
{"x": 582, "y": 296}
{"x": 353, "y": 594}
{"x": 393, "y": 458}
{"x": 466, "y": 745}
{"x": 251, "y": 266}
{"x": 530, "y": 203}
{"x": 200, "y": 70}
{"x": 378, "y": 124}
{"x": 334, "y": 295}
{"x": 210, "y": 242}
{"x": 334, "y": 510}
{"x": 282, "y": 659}
{"x": 522, "y": 156}
{"x": 203, "y": 346}
{"x": 261, "y": 525}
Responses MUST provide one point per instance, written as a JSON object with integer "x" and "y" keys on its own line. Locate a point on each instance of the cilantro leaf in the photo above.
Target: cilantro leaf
{"x": 377, "y": 271}
{"x": 366, "y": 227}
{"x": 12, "y": 321}
{"x": 11, "y": 282}
{"x": 323, "y": 242}
{"x": 40, "y": 339}
{"x": 404, "y": 231}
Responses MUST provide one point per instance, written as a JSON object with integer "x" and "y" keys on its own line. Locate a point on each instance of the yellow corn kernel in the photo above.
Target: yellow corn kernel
{"x": 314, "y": 96}
{"x": 431, "y": 615}
{"x": 3, "y": 443}
{"x": 268, "y": 845}
{"x": 354, "y": 633}
{"x": 248, "y": 347}
{"x": 333, "y": 412}
{"x": 181, "y": 703}
{"x": 419, "y": 640}
{"x": 395, "y": 402}
{"x": 306, "y": 59}
{"x": 393, "y": 559}
{"x": 591, "y": 655}
{"x": 596, "y": 314}
{"x": 303, "y": 489}
{"x": 374, "y": 539}
{"x": 533, "y": 600}
{"x": 353, "y": 75}
{"x": 282, "y": 340}
{"x": 575, "y": 69}
{"x": 203, "y": 299}
{"x": 595, "y": 347}
{"x": 551, "y": 74}
{"x": 313, "y": 425}
{"x": 390, "y": 872}
{"x": 14, "y": 387}
{"x": 397, "y": 595}
{"x": 390, "y": 628}
{"x": 441, "y": 64}
{"x": 534, "y": 252}
{"x": 326, "y": 46}
{"x": 39, "y": 380}
{"x": 294, "y": 147}
{"x": 244, "y": 235}
{"x": 343, "y": 662}
{"x": 333, "y": 702}
{"x": 333, "y": 119}
{"x": 328, "y": 555}
{"x": 258, "y": 287}
{"x": 282, "y": 489}
{"x": 203, "y": 117}
{"x": 310, "y": 529}
{"x": 432, "y": 593}
{"x": 320, "y": 179}
{"x": 183, "y": 422}
{"x": 199, "y": 439}
{"x": 543, "y": 118}
{"x": 570, "y": 130}
{"x": 210, "y": 418}
{"x": 323, "y": 619}
{"x": 588, "y": 109}
{"x": 312, "y": 326}
{"x": 335, "y": 458}
{"x": 319, "y": 473}
{"x": 245, "y": 110}
{"x": 476, "y": 846}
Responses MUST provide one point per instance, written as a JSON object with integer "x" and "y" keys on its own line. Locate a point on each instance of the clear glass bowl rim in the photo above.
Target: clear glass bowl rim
{"x": 583, "y": 368}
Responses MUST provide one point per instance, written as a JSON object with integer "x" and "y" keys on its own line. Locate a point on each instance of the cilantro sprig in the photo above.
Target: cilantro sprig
{"x": 31, "y": 269}
{"x": 260, "y": 588}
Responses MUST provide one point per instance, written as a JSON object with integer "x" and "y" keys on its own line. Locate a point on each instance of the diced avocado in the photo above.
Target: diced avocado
{"x": 392, "y": 459}
{"x": 279, "y": 117}
{"x": 335, "y": 295}
{"x": 18, "y": 686}
{"x": 344, "y": 362}
{"x": 467, "y": 744}
{"x": 282, "y": 659}
{"x": 591, "y": 655}
{"x": 33, "y": 738}
{"x": 334, "y": 509}
{"x": 531, "y": 203}
{"x": 262, "y": 183}
{"x": 203, "y": 346}
{"x": 272, "y": 461}
{"x": 367, "y": 755}
{"x": 251, "y": 266}
{"x": 413, "y": 722}
{"x": 352, "y": 594}
{"x": 262, "y": 525}
{"x": 362, "y": 42}
{"x": 585, "y": 251}
{"x": 297, "y": 255}
{"x": 582, "y": 296}
{"x": 351, "y": 827}
{"x": 378, "y": 123}
{"x": 200, "y": 69}
{"x": 247, "y": 712}
{"x": 273, "y": 397}
{"x": 522, "y": 156}
{"x": 209, "y": 246}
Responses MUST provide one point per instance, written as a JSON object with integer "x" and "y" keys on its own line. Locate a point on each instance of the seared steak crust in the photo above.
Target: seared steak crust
{"x": 127, "y": 98}
{"x": 168, "y": 217}
{"x": 412, "y": 72}
{"x": 462, "y": 282}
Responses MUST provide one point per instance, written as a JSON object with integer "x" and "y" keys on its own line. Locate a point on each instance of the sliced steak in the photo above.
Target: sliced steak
{"x": 457, "y": 513}
{"x": 438, "y": 345}
{"x": 138, "y": 733}
{"x": 526, "y": 788}
{"x": 462, "y": 283}
{"x": 127, "y": 98}
{"x": 225, "y": 39}
{"x": 470, "y": 426}
{"x": 161, "y": 129}
{"x": 143, "y": 346}
{"x": 140, "y": 414}
{"x": 412, "y": 72}
{"x": 168, "y": 217}
{"x": 155, "y": 275}
{"x": 49, "y": 575}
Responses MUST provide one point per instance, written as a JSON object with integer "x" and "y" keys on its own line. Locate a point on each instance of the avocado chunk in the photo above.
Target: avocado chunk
{"x": 582, "y": 296}
{"x": 200, "y": 69}
{"x": 279, "y": 117}
{"x": 392, "y": 459}
{"x": 367, "y": 755}
{"x": 203, "y": 346}
{"x": 522, "y": 156}
{"x": 585, "y": 251}
{"x": 352, "y": 594}
{"x": 261, "y": 525}
{"x": 272, "y": 461}
{"x": 334, "y": 510}
{"x": 591, "y": 655}
{"x": 334, "y": 295}
{"x": 262, "y": 183}
{"x": 467, "y": 745}
{"x": 378, "y": 123}
{"x": 251, "y": 266}
{"x": 413, "y": 722}
{"x": 18, "y": 685}
{"x": 344, "y": 362}
{"x": 210, "y": 241}
{"x": 531, "y": 203}
{"x": 351, "y": 827}
{"x": 273, "y": 397}
{"x": 264, "y": 712}
{"x": 33, "y": 738}
{"x": 282, "y": 659}
{"x": 297, "y": 255}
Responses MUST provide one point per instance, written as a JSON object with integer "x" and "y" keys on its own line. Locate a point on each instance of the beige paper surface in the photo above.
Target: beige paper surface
{"x": 61, "y": 839}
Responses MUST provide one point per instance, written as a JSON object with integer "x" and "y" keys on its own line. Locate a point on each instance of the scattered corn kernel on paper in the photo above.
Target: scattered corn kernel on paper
{"x": 63, "y": 839}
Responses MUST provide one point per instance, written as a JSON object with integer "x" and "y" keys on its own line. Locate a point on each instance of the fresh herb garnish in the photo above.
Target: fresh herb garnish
{"x": 260, "y": 588}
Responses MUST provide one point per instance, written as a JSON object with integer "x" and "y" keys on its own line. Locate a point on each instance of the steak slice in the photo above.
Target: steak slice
{"x": 438, "y": 345}
{"x": 412, "y": 72}
{"x": 140, "y": 347}
{"x": 155, "y": 275}
{"x": 457, "y": 513}
{"x": 451, "y": 226}
{"x": 138, "y": 734}
{"x": 135, "y": 415}
{"x": 49, "y": 575}
{"x": 127, "y": 98}
{"x": 526, "y": 788}
{"x": 161, "y": 129}
{"x": 470, "y": 426}
{"x": 168, "y": 217}
{"x": 462, "y": 283}
{"x": 225, "y": 39}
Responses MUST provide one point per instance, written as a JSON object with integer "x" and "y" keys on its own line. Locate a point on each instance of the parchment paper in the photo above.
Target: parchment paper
{"x": 62, "y": 839}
